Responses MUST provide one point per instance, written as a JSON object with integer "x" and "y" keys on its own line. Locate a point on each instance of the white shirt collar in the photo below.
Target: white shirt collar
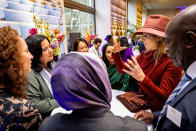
{"x": 191, "y": 71}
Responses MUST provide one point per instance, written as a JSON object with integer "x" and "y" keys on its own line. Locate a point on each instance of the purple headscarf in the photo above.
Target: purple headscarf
{"x": 80, "y": 80}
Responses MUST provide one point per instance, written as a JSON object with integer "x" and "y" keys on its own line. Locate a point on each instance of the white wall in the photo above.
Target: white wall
{"x": 132, "y": 14}
{"x": 170, "y": 13}
{"x": 144, "y": 16}
{"x": 103, "y": 18}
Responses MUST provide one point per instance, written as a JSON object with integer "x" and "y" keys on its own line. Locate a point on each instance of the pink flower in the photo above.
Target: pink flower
{"x": 93, "y": 36}
{"x": 33, "y": 31}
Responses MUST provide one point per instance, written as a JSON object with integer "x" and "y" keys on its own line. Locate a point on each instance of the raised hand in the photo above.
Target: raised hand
{"x": 116, "y": 48}
{"x": 134, "y": 70}
{"x": 145, "y": 116}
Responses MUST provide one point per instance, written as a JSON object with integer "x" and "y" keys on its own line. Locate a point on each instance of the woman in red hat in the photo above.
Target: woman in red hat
{"x": 153, "y": 70}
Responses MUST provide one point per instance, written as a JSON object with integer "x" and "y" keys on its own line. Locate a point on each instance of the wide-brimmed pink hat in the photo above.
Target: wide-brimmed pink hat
{"x": 154, "y": 24}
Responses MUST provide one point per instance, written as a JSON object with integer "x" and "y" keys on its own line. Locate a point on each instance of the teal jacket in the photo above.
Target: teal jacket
{"x": 39, "y": 94}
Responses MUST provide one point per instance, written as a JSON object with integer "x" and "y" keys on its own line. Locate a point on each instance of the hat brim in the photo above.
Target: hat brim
{"x": 150, "y": 31}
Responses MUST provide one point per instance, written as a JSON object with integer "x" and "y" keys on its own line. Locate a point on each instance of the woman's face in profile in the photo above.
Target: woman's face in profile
{"x": 108, "y": 54}
{"x": 47, "y": 54}
{"x": 150, "y": 41}
{"x": 82, "y": 47}
{"x": 26, "y": 55}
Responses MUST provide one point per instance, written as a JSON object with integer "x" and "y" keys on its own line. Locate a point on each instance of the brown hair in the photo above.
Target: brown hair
{"x": 160, "y": 49}
{"x": 97, "y": 40}
{"x": 11, "y": 62}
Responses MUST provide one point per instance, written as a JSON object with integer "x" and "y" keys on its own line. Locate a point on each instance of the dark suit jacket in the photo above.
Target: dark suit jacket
{"x": 185, "y": 103}
{"x": 91, "y": 119}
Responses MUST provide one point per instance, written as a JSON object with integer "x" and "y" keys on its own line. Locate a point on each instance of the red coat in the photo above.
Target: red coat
{"x": 160, "y": 79}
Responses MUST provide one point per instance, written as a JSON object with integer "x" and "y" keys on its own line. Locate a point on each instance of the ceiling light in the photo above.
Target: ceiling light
{"x": 181, "y": 7}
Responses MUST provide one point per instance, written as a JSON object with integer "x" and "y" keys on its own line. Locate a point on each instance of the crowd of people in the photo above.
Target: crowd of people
{"x": 153, "y": 70}
{"x": 32, "y": 85}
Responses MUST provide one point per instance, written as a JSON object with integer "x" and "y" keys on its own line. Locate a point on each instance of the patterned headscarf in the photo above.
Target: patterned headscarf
{"x": 80, "y": 80}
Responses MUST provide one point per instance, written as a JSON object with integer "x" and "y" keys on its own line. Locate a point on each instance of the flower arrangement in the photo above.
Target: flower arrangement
{"x": 58, "y": 39}
{"x": 42, "y": 28}
{"x": 90, "y": 38}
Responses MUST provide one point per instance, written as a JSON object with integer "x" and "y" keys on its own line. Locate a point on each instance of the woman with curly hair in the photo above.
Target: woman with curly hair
{"x": 39, "y": 90}
{"x": 16, "y": 112}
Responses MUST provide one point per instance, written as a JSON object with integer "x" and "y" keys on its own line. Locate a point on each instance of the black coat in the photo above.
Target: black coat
{"x": 91, "y": 119}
